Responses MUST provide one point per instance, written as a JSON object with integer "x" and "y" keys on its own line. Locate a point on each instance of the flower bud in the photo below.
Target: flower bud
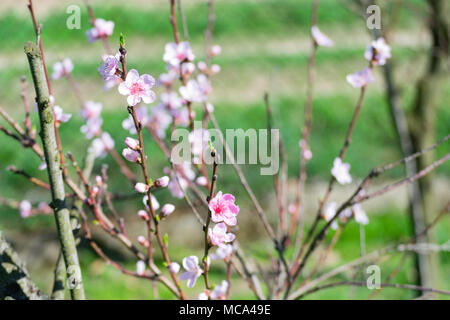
{"x": 141, "y": 187}
{"x": 162, "y": 182}
{"x": 167, "y": 209}
{"x": 131, "y": 143}
{"x": 143, "y": 215}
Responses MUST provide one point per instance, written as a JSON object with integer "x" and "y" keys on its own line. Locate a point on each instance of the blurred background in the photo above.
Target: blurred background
{"x": 265, "y": 46}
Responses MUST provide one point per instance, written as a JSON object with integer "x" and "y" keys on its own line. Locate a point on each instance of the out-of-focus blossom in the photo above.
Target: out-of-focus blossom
{"x": 219, "y": 236}
{"x": 202, "y": 66}
{"x": 174, "y": 267}
{"x": 320, "y": 38}
{"x": 62, "y": 69}
{"x": 155, "y": 203}
{"x": 137, "y": 88}
{"x": 185, "y": 172}
{"x": 180, "y": 116}
{"x": 329, "y": 212}
{"x": 102, "y": 144}
{"x": 131, "y": 155}
{"x": 215, "y": 50}
{"x": 109, "y": 67}
{"x": 25, "y": 208}
{"x": 91, "y": 110}
{"x": 222, "y": 208}
{"x": 140, "y": 267}
{"x": 167, "y": 209}
{"x": 378, "y": 52}
{"x": 222, "y": 252}
{"x": 60, "y": 116}
{"x": 131, "y": 143}
{"x": 191, "y": 91}
{"x": 292, "y": 208}
{"x": 360, "y": 78}
{"x": 143, "y": 215}
{"x": 204, "y": 295}
{"x": 141, "y": 116}
{"x": 340, "y": 171}
{"x": 44, "y": 208}
{"x": 215, "y": 69}
{"x": 143, "y": 241}
{"x": 187, "y": 69}
{"x": 199, "y": 142}
{"x": 170, "y": 100}
{"x": 141, "y": 187}
{"x": 92, "y": 127}
{"x": 162, "y": 182}
{"x": 219, "y": 292}
{"x": 43, "y": 165}
{"x": 167, "y": 79}
{"x": 159, "y": 120}
{"x": 101, "y": 29}
{"x": 202, "y": 181}
{"x": 193, "y": 271}
{"x": 360, "y": 214}
{"x": 204, "y": 86}
{"x": 174, "y": 54}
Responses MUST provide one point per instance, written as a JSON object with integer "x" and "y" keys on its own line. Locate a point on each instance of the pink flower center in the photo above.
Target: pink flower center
{"x": 136, "y": 89}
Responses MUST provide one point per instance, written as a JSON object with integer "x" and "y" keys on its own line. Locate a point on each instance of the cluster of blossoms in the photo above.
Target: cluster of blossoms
{"x": 26, "y": 209}
{"x": 377, "y": 53}
{"x": 223, "y": 212}
{"x": 101, "y": 29}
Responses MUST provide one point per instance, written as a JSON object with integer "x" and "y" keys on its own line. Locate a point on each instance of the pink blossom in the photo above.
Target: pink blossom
{"x": 101, "y": 29}
{"x": 215, "y": 69}
{"x": 191, "y": 91}
{"x": 60, "y": 116}
{"x": 131, "y": 155}
{"x": 43, "y": 165}
{"x": 174, "y": 267}
{"x": 180, "y": 116}
{"x": 202, "y": 181}
{"x": 340, "y": 171}
{"x": 204, "y": 86}
{"x": 193, "y": 271}
{"x": 159, "y": 120}
{"x": 162, "y": 182}
{"x": 360, "y": 214}
{"x": 62, "y": 69}
{"x": 141, "y": 187}
{"x": 25, "y": 208}
{"x": 137, "y": 88}
{"x": 320, "y": 38}
{"x": 44, "y": 208}
{"x": 204, "y": 295}
{"x": 215, "y": 50}
{"x": 143, "y": 215}
{"x": 167, "y": 79}
{"x": 222, "y": 208}
{"x": 91, "y": 110}
{"x": 167, "y": 209}
{"x": 140, "y": 268}
{"x": 360, "y": 78}
{"x": 175, "y": 54}
{"x": 330, "y": 212}
{"x": 199, "y": 142}
{"x": 103, "y": 144}
{"x": 219, "y": 292}
{"x": 155, "y": 203}
{"x": 174, "y": 187}
{"x": 131, "y": 143}
{"x": 292, "y": 208}
{"x": 92, "y": 127}
{"x": 378, "y": 52}
{"x": 170, "y": 100}
{"x": 222, "y": 252}
{"x": 141, "y": 116}
{"x": 109, "y": 67}
{"x": 187, "y": 69}
{"x": 143, "y": 241}
{"x": 219, "y": 236}
{"x": 202, "y": 66}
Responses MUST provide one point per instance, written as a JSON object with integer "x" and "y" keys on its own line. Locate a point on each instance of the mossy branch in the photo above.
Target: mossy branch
{"x": 54, "y": 171}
